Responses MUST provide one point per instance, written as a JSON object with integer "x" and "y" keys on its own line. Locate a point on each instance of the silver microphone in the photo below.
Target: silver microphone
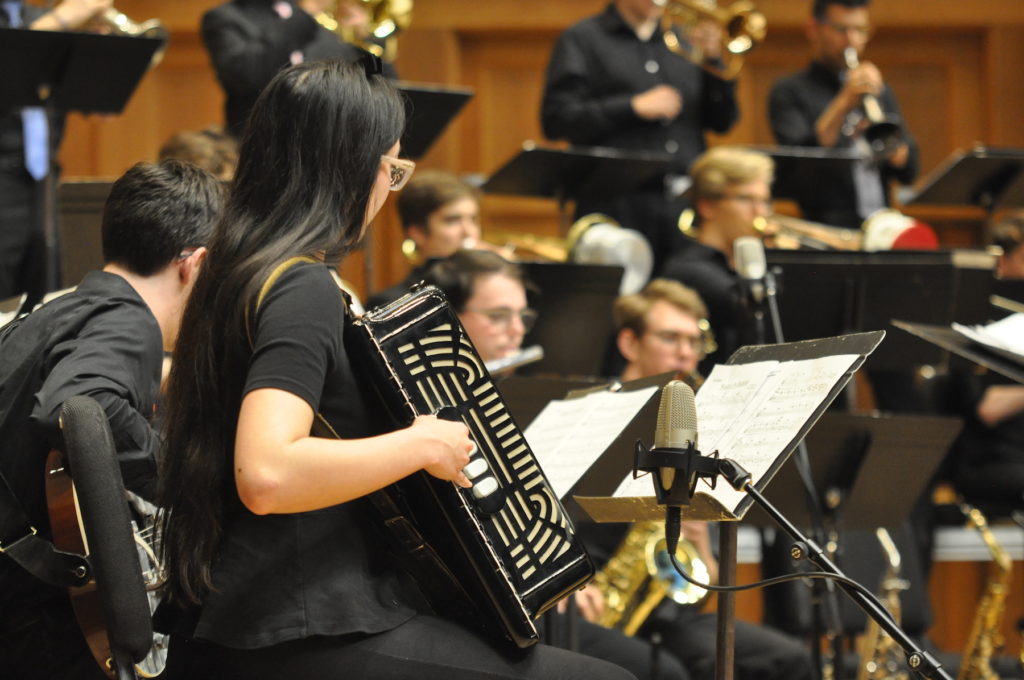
{"x": 751, "y": 265}
{"x": 677, "y": 424}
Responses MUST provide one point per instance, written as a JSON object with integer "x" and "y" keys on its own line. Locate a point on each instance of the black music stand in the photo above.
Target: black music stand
{"x": 878, "y": 464}
{"x": 59, "y": 72}
{"x": 948, "y": 339}
{"x": 989, "y": 178}
{"x": 578, "y": 174}
{"x": 574, "y": 322}
{"x": 823, "y": 293}
{"x": 429, "y": 111}
{"x": 795, "y": 164}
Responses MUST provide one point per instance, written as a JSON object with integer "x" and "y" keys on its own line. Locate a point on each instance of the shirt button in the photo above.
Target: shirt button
{"x": 652, "y": 66}
{"x": 671, "y": 146}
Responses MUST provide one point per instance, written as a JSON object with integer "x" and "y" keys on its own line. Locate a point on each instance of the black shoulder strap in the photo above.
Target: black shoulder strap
{"x": 19, "y": 539}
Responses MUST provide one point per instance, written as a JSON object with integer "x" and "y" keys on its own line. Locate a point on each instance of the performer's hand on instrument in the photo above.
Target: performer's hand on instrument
{"x": 707, "y": 37}
{"x": 860, "y": 81}
{"x": 590, "y": 603}
{"x": 73, "y": 14}
{"x": 446, "y": 445}
{"x": 661, "y": 102}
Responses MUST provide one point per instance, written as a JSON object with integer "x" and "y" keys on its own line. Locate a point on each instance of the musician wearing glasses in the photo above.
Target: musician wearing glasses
{"x": 278, "y": 564}
{"x": 106, "y": 339}
{"x": 731, "y": 194}
{"x": 829, "y": 104}
{"x": 659, "y": 330}
{"x": 612, "y": 81}
{"x": 489, "y": 294}
{"x": 440, "y": 214}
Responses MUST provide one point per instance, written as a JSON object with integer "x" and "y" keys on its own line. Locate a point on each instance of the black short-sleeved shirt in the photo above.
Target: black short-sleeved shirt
{"x": 101, "y": 341}
{"x": 326, "y": 572}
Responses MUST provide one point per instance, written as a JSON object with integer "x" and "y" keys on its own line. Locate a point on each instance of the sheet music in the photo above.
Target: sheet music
{"x": 570, "y": 434}
{"x": 751, "y": 412}
{"x": 1005, "y": 336}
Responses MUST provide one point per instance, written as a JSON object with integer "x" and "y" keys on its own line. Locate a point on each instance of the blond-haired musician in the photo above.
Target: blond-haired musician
{"x": 731, "y": 193}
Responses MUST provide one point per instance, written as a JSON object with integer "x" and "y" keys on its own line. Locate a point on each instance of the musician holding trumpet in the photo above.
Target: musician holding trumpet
{"x": 842, "y": 102}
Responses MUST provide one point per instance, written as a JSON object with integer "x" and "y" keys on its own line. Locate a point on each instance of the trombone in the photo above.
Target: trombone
{"x": 743, "y": 28}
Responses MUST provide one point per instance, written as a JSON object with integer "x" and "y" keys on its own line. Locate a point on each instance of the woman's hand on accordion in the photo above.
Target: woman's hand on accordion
{"x": 446, "y": 446}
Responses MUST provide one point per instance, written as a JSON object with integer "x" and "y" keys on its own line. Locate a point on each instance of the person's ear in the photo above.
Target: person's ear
{"x": 705, "y": 208}
{"x": 628, "y": 344}
{"x": 188, "y": 268}
{"x": 419, "y": 235}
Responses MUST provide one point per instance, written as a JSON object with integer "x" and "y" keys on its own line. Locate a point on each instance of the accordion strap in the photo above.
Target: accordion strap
{"x": 417, "y": 556}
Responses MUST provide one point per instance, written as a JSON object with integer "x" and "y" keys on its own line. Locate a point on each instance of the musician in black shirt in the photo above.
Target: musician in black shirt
{"x": 822, "y": 106}
{"x": 612, "y": 82}
{"x": 270, "y": 551}
{"x": 106, "y": 339}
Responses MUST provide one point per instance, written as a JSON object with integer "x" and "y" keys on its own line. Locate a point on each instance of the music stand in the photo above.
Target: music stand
{"x": 795, "y": 164}
{"x": 574, "y": 322}
{"x": 986, "y": 177}
{"x": 58, "y": 70}
{"x": 948, "y": 339}
{"x": 579, "y": 174}
{"x": 429, "y": 110}
{"x": 827, "y": 293}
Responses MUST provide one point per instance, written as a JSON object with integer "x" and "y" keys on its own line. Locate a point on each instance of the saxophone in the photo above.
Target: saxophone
{"x": 640, "y": 575}
{"x": 880, "y": 656}
{"x": 985, "y": 637}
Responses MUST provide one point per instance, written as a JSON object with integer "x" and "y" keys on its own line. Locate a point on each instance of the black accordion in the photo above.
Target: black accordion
{"x": 507, "y": 541}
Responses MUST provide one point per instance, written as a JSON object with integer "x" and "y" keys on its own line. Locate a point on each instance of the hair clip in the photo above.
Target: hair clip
{"x": 372, "y": 63}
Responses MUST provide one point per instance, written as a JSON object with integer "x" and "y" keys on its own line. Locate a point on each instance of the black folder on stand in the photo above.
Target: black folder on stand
{"x": 795, "y": 164}
{"x": 429, "y": 111}
{"x": 579, "y": 174}
{"x": 68, "y": 72}
{"x": 986, "y": 177}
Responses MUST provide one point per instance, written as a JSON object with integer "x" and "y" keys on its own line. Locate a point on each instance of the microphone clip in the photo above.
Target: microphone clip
{"x": 689, "y": 466}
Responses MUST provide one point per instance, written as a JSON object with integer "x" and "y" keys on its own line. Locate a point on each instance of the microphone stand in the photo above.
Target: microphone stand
{"x": 919, "y": 660}
{"x": 826, "y": 614}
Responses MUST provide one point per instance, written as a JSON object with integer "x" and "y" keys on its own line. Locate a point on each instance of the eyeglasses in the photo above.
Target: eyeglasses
{"x": 399, "y": 171}
{"x": 186, "y": 253}
{"x": 863, "y": 32}
{"x": 748, "y": 199}
{"x": 502, "y": 316}
{"x": 698, "y": 343}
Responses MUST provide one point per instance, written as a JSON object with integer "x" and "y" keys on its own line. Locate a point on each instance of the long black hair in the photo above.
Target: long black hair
{"x": 306, "y": 168}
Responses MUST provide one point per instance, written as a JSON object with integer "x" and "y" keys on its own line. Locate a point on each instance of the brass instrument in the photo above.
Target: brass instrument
{"x": 985, "y": 637}
{"x": 387, "y": 18}
{"x": 120, "y": 24}
{"x": 743, "y": 28}
{"x": 803, "y": 233}
{"x": 884, "y": 135}
{"x": 592, "y": 239}
{"x": 880, "y": 658}
{"x": 812, "y": 235}
{"x": 639, "y": 576}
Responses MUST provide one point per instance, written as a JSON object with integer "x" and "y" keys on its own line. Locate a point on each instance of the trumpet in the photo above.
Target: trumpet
{"x": 743, "y": 28}
{"x": 387, "y": 18}
{"x": 885, "y": 134}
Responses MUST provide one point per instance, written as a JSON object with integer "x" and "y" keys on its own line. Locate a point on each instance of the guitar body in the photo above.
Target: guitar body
{"x": 69, "y": 535}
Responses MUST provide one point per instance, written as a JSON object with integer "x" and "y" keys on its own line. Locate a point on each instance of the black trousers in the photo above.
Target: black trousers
{"x": 44, "y": 642}
{"x": 22, "y": 248}
{"x": 423, "y": 648}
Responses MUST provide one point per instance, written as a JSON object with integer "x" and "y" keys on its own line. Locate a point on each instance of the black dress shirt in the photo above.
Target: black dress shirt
{"x": 599, "y": 64}
{"x": 795, "y": 104}
{"x": 101, "y": 341}
{"x": 249, "y": 43}
{"x": 706, "y": 270}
